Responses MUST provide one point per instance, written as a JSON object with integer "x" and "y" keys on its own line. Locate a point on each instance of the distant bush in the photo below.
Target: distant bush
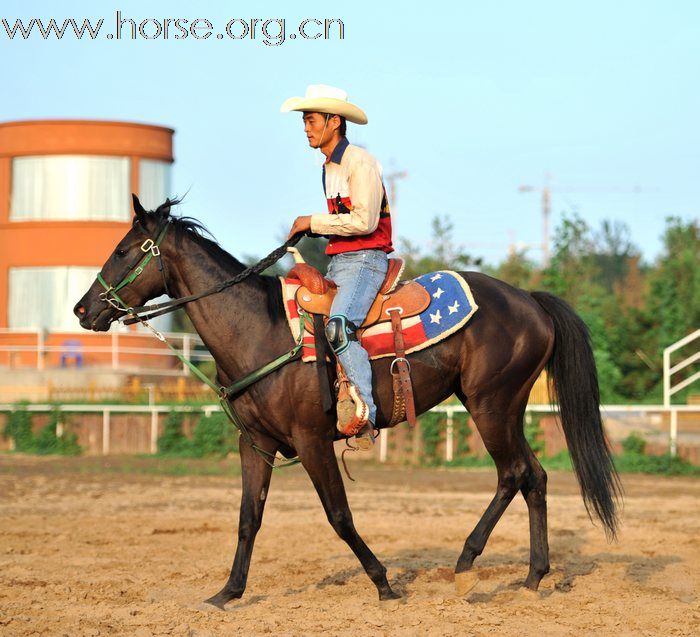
{"x": 430, "y": 425}
{"x": 664, "y": 465}
{"x": 19, "y": 429}
{"x": 214, "y": 435}
{"x": 533, "y": 435}
{"x": 634, "y": 460}
{"x": 172, "y": 441}
{"x": 634, "y": 444}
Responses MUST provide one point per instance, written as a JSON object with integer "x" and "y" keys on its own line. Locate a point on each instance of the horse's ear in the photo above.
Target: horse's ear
{"x": 163, "y": 211}
{"x": 139, "y": 210}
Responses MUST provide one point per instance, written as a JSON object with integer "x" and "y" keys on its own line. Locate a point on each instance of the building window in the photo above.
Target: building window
{"x": 154, "y": 182}
{"x": 70, "y": 187}
{"x": 43, "y": 298}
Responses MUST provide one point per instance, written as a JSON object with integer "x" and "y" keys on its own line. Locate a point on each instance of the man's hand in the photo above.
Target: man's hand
{"x": 301, "y": 224}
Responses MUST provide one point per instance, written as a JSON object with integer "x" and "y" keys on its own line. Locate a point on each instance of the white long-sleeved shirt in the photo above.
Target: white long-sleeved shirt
{"x": 356, "y": 198}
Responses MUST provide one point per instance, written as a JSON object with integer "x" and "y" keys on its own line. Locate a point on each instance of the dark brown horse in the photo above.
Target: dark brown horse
{"x": 490, "y": 365}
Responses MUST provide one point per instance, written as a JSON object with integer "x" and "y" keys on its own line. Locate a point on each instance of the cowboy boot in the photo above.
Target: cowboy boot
{"x": 353, "y": 412}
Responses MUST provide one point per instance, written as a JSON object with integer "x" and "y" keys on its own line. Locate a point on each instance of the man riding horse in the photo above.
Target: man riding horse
{"x": 359, "y": 231}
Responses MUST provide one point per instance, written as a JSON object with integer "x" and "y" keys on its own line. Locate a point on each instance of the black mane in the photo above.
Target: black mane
{"x": 194, "y": 230}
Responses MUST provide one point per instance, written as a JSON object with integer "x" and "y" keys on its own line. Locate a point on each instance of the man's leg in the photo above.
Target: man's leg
{"x": 358, "y": 275}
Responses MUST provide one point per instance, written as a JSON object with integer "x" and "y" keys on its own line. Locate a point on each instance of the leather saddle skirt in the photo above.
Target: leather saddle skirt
{"x": 316, "y": 293}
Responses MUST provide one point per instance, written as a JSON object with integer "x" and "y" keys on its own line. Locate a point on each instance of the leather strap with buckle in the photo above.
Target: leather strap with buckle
{"x": 402, "y": 377}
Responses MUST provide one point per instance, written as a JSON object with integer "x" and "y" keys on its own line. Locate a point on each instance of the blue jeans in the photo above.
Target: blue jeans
{"x": 358, "y": 275}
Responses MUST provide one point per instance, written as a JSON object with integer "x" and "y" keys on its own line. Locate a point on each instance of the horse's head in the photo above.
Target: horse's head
{"x": 128, "y": 278}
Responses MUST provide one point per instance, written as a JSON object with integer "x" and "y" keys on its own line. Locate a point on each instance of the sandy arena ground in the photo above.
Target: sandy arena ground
{"x": 89, "y": 550}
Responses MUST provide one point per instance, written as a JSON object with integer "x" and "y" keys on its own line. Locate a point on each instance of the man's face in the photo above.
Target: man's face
{"x": 314, "y": 123}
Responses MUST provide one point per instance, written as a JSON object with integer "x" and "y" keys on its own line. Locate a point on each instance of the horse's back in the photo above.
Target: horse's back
{"x": 510, "y": 334}
{"x": 505, "y": 306}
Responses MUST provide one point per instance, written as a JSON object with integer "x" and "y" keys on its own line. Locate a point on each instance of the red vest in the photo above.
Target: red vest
{"x": 336, "y": 184}
{"x": 379, "y": 239}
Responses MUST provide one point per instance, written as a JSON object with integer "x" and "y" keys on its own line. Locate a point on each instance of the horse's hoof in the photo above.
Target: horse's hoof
{"x": 215, "y": 601}
{"x": 465, "y": 582}
{"x": 388, "y": 595}
{"x": 532, "y": 584}
{"x": 220, "y": 599}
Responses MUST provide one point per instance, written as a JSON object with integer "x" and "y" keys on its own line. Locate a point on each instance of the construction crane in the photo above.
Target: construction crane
{"x": 391, "y": 179}
{"x": 547, "y": 207}
{"x": 546, "y": 212}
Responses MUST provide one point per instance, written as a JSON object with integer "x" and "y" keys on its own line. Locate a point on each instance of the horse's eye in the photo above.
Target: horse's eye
{"x": 120, "y": 252}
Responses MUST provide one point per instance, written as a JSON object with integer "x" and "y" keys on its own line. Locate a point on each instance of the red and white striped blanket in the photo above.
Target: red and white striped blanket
{"x": 451, "y": 306}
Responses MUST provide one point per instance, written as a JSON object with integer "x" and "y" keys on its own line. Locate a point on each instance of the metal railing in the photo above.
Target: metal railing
{"x": 189, "y": 345}
{"x": 669, "y": 388}
{"x": 669, "y": 371}
{"x": 108, "y": 410}
{"x": 448, "y": 410}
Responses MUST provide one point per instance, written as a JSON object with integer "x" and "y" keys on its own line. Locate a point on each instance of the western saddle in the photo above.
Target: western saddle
{"x": 395, "y": 300}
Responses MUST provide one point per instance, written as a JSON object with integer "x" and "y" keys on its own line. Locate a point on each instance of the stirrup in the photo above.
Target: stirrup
{"x": 366, "y": 437}
{"x": 353, "y": 412}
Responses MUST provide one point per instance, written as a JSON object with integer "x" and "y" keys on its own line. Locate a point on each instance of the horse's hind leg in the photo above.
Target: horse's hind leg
{"x": 319, "y": 460}
{"x": 256, "y": 480}
{"x": 500, "y": 435}
{"x": 534, "y": 490}
{"x": 518, "y": 469}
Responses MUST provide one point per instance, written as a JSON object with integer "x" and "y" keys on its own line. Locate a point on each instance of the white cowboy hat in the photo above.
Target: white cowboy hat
{"x": 320, "y": 98}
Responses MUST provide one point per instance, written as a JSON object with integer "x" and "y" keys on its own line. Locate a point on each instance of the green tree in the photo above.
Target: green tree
{"x": 674, "y": 299}
{"x": 442, "y": 253}
{"x": 576, "y": 273}
{"x": 573, "y": 273}
{"x": 613, "y": 251}
{"x": 312, "y": 249}
{"x": 517, "y": 270}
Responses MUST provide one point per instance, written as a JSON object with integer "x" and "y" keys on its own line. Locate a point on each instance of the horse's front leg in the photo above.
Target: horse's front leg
{"x": 318, "y": 458}
{"x": 256, "y": 480}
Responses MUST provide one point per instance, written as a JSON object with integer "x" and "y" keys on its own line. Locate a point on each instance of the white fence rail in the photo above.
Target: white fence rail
{"x": 79, "y": 344}
{"x": 108, "y": 410}
{"x": 669, "y": 388}
{"x": 448, "y": 410}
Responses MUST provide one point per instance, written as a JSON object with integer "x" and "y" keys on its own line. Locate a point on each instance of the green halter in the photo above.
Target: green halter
{"x": 152, "y": 249}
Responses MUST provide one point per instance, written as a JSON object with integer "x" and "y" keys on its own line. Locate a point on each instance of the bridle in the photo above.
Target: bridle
{"x": 151, "y": 249}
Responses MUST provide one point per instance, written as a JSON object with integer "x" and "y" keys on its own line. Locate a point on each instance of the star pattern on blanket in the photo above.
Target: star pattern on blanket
{"x": 449, "y": 306}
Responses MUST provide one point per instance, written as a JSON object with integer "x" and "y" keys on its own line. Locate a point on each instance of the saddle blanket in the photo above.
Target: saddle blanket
{"x": 451, "y": 306}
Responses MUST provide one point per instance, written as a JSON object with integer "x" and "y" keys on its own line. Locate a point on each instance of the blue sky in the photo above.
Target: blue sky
{"x": 471, "y": 99}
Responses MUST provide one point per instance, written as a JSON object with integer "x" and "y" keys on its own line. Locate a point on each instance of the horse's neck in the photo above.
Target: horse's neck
{"x": 234, "y": 324}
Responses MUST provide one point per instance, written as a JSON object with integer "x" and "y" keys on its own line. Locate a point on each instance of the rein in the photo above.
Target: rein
{"x": 158, "y": 309}
{"x": 141, "y": 314}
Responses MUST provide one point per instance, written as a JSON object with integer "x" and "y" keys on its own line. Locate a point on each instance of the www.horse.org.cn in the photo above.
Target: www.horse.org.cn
{"x": 270, "y": 31}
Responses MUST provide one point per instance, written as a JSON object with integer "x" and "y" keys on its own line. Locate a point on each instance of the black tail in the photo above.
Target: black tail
{"x": 572, "y": 372}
